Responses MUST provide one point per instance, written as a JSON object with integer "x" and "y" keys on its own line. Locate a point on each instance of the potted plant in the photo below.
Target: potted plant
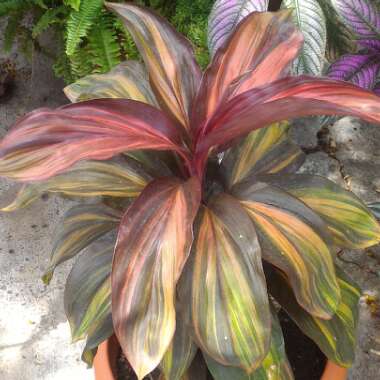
{"x": 198, "y": 176}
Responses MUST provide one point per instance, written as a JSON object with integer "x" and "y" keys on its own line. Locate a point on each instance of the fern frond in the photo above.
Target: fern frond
{"x": 128, "y": 46}
{"x": 10, "y": 32}
{"x": 75, "y": 4}
{"x": 81, "y": 63}
{"x": 80, "y": 22}
{"x": 103, "y": 45}
{"x": 47, "y": 19}
{"x": 62, "y": 68}
{"x": 40, "y": 3}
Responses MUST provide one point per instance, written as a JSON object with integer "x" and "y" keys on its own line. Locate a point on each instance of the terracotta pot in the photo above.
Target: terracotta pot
{"x": 108, "y": 353}
{"x": 105, "y": 362}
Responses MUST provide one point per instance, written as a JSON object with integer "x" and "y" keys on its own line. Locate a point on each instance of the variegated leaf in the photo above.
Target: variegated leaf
{"x": 225, "y": 15}
{"x": 81, "y": 226}
{"x": 348, "y": 219}
{"x": 294, "y": 239}
{"x": 95, "y": 336}
{"x": 268, "y": 42}
{"x": 153, "y": 244}
{"x": 47, "y": 142}
{"x": 268, "y": 150}
{"x": 361, "y": 16}
{"x": 87, "y": 179}
{"x": 87, "y": 297}
{"x": 335, "y": 337}
{"x": 285, "y": 99}
{"x": 128, "y": 80}
{"x": 181, "y": 352}
{"x": 230, "y": 308}
{"x": 309, "y": 18}
{"x": 174, "y": 74}
{"x": 275, "y": 366}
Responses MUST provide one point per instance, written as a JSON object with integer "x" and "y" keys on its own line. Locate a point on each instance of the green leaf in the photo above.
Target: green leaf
{"x": 80, "y": 22}
{"x": 11, "y": 30}
{"x": 348, "y": 219}
{"x": 47, "y": 19}
{"x": 128, "y": 80}
{"x": 81, "y": 226}
{"x": 87, "y": 297}
{"x": 275, "y": 366}
{"x": 75, "y": 4}
{"x": 181, "y": 352}
{"x": 87, "y": 179}
{"x": 229, "y": 301}
{"x": 268, "y": 150}
{"x": 336, "y": 337}
{"x": 309, "y": 18}
{"x": 103, "y": 45}
{"x": 375, "y": 208}
{"x": 296, "y": 240}
{"x": 153, "y": 244}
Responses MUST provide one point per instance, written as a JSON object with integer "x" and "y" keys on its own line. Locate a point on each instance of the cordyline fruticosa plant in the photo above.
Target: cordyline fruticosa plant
{"x": 173, "y": 289}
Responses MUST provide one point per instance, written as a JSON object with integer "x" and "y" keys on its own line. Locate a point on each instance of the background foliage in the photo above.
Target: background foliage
{"x": 90, "y": 38}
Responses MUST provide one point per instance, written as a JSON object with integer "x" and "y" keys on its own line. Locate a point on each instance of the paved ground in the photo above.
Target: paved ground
{"x": 34, "y": 335}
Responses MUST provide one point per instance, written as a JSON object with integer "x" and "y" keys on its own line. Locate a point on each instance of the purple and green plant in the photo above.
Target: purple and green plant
{"x": 194, "y": 229}
{"x": 363, "y": 67}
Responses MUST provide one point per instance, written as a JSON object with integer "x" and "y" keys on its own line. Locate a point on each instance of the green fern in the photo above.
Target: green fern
{"x": 80, "y": 22}
{"x": 75, "y": 4}
{"x": 11, "y": 30}
{"x": 48, "y": 18}
{"x": 81, "y": 63}
{"x": 103, "y": 45}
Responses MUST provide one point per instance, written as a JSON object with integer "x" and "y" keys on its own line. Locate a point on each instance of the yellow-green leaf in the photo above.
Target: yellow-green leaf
{"x": 81, "y": 226}
{"x": 87, "y": 297}
{"x": 295, "y": 239}
{"x": 348, "y": 219}
{"x": 153, "y": 244}
{"x": 335, "y": 337}
{"x": 229, "y": 301}
{"x": 87, "y": 179}
{"x": 180, "y": 353}
{"x": 275, "y": 366}
{"x": 128, "y": 80}
{"x": 268, "y": 150}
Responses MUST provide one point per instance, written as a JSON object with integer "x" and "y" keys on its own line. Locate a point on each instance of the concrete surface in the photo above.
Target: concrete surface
{"x": 34, "y": 335}
{"x": 35, "y": 341}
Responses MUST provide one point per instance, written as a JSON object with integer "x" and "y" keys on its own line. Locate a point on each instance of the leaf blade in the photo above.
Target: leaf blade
{"x": 225, "y": 15}
{"x": 335, "y": 337}
{"x": 128, "y": 80}
{"x": 168, "y": 56}
{"x": 346, "y": 216}
{"x": 294, "y": 239}
{"x": 46, "y": 142}
{"x": 310, "y": 19}
{"x": 150, "y": 260}
{"x": 230, "y": 309}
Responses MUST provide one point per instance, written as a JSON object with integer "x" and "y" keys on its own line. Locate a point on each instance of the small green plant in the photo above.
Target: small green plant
{"x": 196, "y": 173}
{"x": 89, "y": 38}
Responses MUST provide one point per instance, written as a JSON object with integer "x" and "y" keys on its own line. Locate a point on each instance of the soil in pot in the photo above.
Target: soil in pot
{"x": 307, "y": 361}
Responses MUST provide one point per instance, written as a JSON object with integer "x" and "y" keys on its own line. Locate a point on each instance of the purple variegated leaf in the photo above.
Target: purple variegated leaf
{"x": 362, "y": 16}
{"x": 225, "y": 15}
{"x": 359, "y": 69}
{"x": 376, "y": 89}
{"x": 373, "y": 45}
